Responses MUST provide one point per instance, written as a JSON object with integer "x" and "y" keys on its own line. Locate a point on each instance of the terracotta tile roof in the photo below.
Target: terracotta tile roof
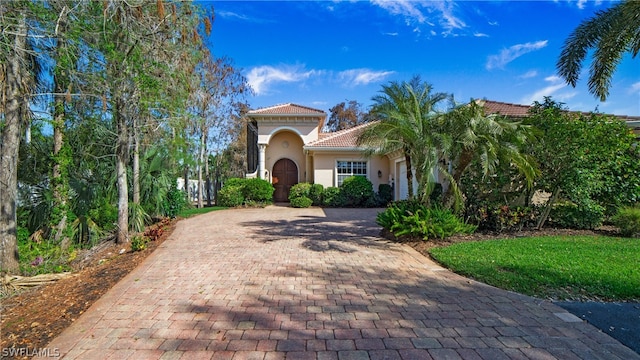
{"x": 516, "y": 110}
{"x": 287, "y": 109}
{"x": 506, "y": 109}
{"x": 343, "y": 139}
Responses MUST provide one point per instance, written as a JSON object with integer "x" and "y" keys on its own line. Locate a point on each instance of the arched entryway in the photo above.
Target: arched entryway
{"x": 285, "y": 175}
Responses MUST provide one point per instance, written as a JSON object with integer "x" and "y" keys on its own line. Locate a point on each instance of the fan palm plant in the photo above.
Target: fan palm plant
{"x": 406, "y": 112}
{"x": 468, "y": 134}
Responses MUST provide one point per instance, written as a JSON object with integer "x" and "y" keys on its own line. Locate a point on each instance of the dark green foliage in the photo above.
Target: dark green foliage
{"x": 628, "y": 221}
{"x": 357, "y": 190}
{"x": 299, "y": 190}
{"x": 385, "y": 194}
{"x": 413, "y": 219}
{"x": 504, "y": 218}
{"x": 300, "y": 202}
{"x": 250, "y": 192}
{"x": 174, "y": 202}
{"x": 588, "y": 215}
{"x": 333, "y": 197}
{"x": 257, "y": 190}
{"x": 435, "y": 197}
{"x": 315, "y": 194}
{"x": 230, "y": 196}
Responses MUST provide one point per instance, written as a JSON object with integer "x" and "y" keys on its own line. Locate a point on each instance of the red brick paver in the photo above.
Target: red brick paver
{"x": 283, "y": 283}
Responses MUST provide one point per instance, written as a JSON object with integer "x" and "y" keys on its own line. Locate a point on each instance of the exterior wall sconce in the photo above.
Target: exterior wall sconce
{"x": 379, "y": 173}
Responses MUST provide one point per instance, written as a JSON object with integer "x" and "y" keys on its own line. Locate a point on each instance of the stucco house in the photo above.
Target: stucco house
{"x": 286, "y": 145}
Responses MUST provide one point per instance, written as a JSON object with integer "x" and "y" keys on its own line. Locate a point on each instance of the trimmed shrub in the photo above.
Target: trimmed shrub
{"x": 315, "y": 194}
{"x": 627, "y": 219}
{"x": 333, "y": 197}
{"x": 230, "y": 196}
{"x": 412, "y": 219}
{"x": 234, "y": 182}
{"x": 357, "y": 190}
{"x": 385, "y": 194}
{"x": 588, "y": 215}
{"x": 257, "y": 190}
{"x": 299, "y": 190}
{"x": 300, "y": 202}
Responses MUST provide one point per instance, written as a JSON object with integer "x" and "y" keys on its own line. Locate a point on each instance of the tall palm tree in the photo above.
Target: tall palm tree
{"x": 468, "y": 134}
{"x": 406, "y": 112}
{"x": 611, "y": 33}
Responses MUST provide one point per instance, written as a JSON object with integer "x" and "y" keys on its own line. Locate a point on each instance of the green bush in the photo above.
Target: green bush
{"x": 588, "y": 215}
{"x": 257, "y": 190}
{"x": 175, "y": 201}
{"x": 504, "y": 218}
{"x": 385, "y": 194}
{"x": 230, "y": 196}
{"x": 315, "y": 194}
{"x": 412, "y": 219}
{"x": 299, "y": 190}
{"x": 333, "y": 197}
{"x": 234, "y": 182}
{"x": 139, "y": 243}
{"x": 627, "y": 219}
{"x": 300, "y": 202}
{"x": 357, "y": 190}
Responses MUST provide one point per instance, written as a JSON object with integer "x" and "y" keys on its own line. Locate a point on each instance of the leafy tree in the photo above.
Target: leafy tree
{"x": 611, "y": 33}
{"x": 18, "y": 78}
{"x": 346, "y": 115}
{"x": 587, "y": 159}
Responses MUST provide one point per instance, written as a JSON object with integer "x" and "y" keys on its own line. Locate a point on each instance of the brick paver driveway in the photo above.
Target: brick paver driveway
{"x": 282, "y": 283}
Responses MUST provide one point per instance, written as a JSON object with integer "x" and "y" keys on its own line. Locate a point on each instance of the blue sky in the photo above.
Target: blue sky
{"x": 320, "y": 53}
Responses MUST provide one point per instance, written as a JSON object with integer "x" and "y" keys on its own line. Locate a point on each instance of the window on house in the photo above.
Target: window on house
{"x": 350, "y": 168}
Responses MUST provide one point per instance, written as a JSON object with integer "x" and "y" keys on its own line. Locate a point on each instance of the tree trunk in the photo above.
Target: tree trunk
{"x": 60, "y": 178}
{"x": 207, "y": 176}
{"x": 463, "y": 163}
{"x": 547, "y": 209}
{"x": 122, "y": 157}
{"x": 407, "y": 159}
{"x": 200, "y": 162}
{"x": 136, "y": 164}
{"x": 14, "y": 120}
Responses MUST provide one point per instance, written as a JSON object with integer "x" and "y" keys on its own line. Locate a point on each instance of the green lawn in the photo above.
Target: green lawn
{"x": 558, "y": 267}
{"x": 197, "y": 211}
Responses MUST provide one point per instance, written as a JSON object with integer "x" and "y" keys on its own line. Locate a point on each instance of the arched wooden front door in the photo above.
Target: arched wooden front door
{"x": 285, "y": 175}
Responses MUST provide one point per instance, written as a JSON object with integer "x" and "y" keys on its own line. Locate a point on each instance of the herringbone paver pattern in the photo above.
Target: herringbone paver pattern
{"x": 282, "y": 283}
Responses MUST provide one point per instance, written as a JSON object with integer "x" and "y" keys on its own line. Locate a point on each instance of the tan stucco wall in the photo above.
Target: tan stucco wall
{"x": 285, "y": 144}
{"x": 308, "y": 131}
{"x": 324, "y": 172}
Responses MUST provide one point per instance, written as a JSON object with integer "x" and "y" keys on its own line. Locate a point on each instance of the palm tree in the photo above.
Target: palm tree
{"x": 468, "y": 134}
{"x": 406, "y": 112}
{"x": 611, "y": 33}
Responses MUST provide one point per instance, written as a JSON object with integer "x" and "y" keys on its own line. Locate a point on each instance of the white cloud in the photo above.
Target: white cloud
{"x": 635, "y": 88}
{"x": 480, "y": 35}
{"x": 356, "y": 77}
{"x": 417, "y": 13}
{"x": 406, "y": 8}
{"x": 555, "y": 84}
{"x": 529, "y": 74}
{"x": 508, "y": 55}
{"x": 261, "y": 78}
